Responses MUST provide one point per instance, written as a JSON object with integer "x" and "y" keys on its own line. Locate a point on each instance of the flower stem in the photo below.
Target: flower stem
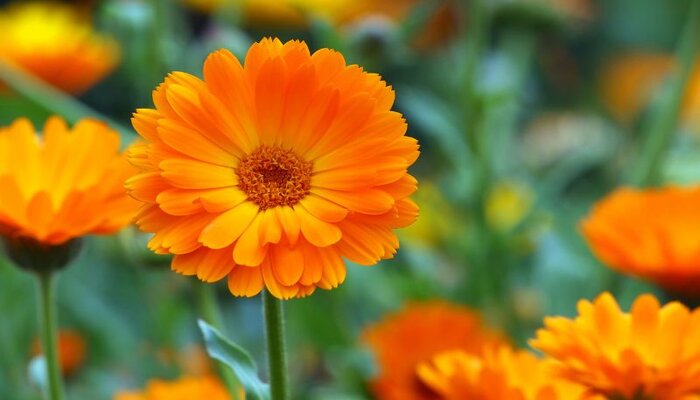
{"x": 276, "y": 348}
{"x": 49, "y": 341}
{"x": 209, "y": 308}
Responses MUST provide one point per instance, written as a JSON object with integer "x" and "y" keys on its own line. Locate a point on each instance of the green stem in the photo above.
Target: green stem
{"x": 209, "y": 308}
{"x": 49, "y": 340}
{"x": 276, "y": 348}
{"x": 664, "y": 120}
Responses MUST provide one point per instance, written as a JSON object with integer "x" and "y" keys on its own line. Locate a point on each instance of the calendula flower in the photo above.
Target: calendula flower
{"x": 650, "y": 234}
{"x": 652, "y": 352}
{"x": 60, "y": 186}
{"x": 55, "y": 44}
{"x": 187, "y": 388}
{"x": 629, "y": 82}
{"x": 415, "y": 335}
{"x": 497, "y": 374}
{"x": 273, "y": 172}
{"x": 71, "y": 351}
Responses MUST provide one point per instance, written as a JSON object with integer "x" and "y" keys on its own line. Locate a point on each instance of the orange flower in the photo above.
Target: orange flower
{"x": 71, "y": 351}
{"x": 187, "y": 388}
{"x": 416, "y": 335}
{"x": 629, "y": 82}
{"x": 63, "y": 185}
{"x": 53, "y": 43}
{"x": 650, "y": 234}
{"x": 653, "y": 352}
{"x": 499, "y": 374}
{"x": 271, "y": 173}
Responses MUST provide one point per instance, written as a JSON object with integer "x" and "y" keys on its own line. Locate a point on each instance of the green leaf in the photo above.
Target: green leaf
{"x": 237, "y": 359}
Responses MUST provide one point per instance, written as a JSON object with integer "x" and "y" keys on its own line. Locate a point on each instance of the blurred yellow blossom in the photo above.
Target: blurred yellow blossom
{"x": 507, "y": 204}
{"x": 54, "y": 43}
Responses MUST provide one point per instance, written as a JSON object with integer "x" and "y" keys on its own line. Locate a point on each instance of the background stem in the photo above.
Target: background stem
{"x": 276, "y": 347}
{"x": 49, "y": 340}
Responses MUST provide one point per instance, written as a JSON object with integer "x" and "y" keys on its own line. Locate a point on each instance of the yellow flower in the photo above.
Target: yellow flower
{"x": 497, "y": 374}
{"x": 187, "y": 388}
{"x": 417, "y": 334}
{"x": 649, "y": 233}
{"x": 53, "y": 43}
{"x": 273, "y": 172}
{"x": 653, "y": 352}
{"x": 507, "y": 204}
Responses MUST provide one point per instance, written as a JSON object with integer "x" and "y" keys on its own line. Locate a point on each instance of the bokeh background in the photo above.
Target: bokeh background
{"x": 527, "y": 111}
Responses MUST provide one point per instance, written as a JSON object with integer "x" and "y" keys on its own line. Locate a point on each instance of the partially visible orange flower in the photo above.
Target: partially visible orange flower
{"x": 64, "y": 184}
{"x": 651, "y": 234}
{"x": 417, "y": 334}
{"x": 629, "y": 82}
{"x": 55, "y": 44}
{"x": 187, "y": 388}
{"x": 653, "y": 352}
{"x": 498, "y": 374}
{"x": 71, "y": 351}
{"x": 273, "y": 172}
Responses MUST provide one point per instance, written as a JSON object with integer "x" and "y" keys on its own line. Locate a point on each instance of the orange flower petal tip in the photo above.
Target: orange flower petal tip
{"x": 271, "y": 172}
{"x": 186, "y": 388}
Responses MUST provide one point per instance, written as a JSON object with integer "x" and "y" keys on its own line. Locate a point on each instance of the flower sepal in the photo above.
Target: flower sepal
{"x": 34, "y": 256}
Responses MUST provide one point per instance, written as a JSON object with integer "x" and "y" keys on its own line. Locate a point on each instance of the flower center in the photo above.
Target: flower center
{"x": 272, "y": 177}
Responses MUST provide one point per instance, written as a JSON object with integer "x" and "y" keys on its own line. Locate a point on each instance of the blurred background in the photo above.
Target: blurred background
{"x": 527, "y": 111}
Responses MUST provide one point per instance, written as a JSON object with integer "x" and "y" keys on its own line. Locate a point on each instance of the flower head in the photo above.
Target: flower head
{"x": 273, "y": 172}
{"x": 498, "y": 374}
{"x": 652, "y": 352}
{"x": 650, "y": 234}
{"x": 417, "y": 334}
{"x": 187, "y": 388}
{"x": 64, "y": 184}
{"x": 53, "y": 43}
{"x": 71, "y": 351}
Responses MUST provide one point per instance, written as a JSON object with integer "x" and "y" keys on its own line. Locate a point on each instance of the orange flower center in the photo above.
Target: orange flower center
{"x": 272, "y": 176}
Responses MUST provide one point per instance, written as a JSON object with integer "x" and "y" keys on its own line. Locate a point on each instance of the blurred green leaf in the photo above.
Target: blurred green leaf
{"x": 237, "y": 359}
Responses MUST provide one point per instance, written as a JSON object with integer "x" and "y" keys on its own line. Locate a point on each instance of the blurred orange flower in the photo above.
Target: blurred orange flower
{"x": 64, "y": 184}
{"x": 653, "y": 352}
{"x": 649, "y": 233}
{"x": 71, "y": 351}
{"x": 187, "y": 388}
{"x": 272, "y": 172}
{"x": 498, "y": 374}
{"x": 417, "y": 334}
{"x": 629, "y": 82}
{"x": 53, "y": 43}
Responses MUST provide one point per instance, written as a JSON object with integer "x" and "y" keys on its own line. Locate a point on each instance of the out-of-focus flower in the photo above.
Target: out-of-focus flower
{"x": 437, "y": 218}
{"x": 507, "y": 204}
{"x": 71, "y": 351}
{"x": 55, "y": 44}
{"x": 629, "y": 82}
{"x": 187, "y": 388}
{"x": 417, "y": 334}
{"x": 652, "y": 352}
{"x": 60, "y": 186}
{"x": 650, "y": 234}
{"x": 271, "y": 173}
{"x": 295, "y": 13}
{"x": 498, "y": 374}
